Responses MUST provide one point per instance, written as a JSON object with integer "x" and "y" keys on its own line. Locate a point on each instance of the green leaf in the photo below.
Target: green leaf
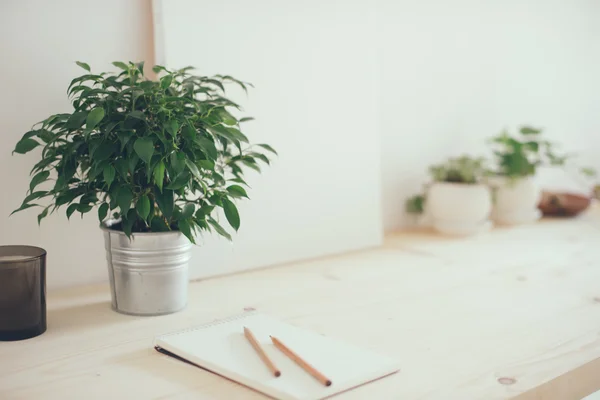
{"x": 68, "y": 196}
{"x": 30, "y": 134}
{"x": 227, "y": 118}
{"x": 237, "y": 191}
{"x": 159, "y": 174}
{"x": 215, "y": 199}
{"x": 188, "y": 211}
{"x": 527, "y": 130}
{"x": 132, "y": 163}
{"x": 109, "y": 175}
{"x": 589, "y": 172}
{"x": 193, "y": 169}
{"x": 165, "y": 202}
{"x": 94, "y": 117}
{"x": 262, "y": 157}
{"x": 124, "y": 138}
{"x": 124, "y": 198}
{"x": 177, "y": 162}
{"x": 239, "y": 180}
{"x": 45, "y": 135}
{"x": 37, "y": 179}
{"x": 109, "y": 127}
{"x": 89, "y": 197}
{"x": 121, "y": 65}
{"x": 25, "y": 146}
{"x": 165, "y": 81}
{"x": 188, "y": 132}
{"x": 104, "y": 151}
{"x": 83, "y": 65}
{"x": 43, "y": 163}
{"x": 220, "y": 230}
{"x": 128, "y": 221}
{"x": 140, "y": 66}
{"x": 84, "y": 78}
{"x": 184, "y": 227}
{"x": 143, "y": 207}
{"x": 231, "y": 213}
{"x": 207, "y": 164}
{"x": 533, "y": 146}
{"x": 251, "y": 164}
{"x": 207, "y": 146}
{"x": 71, "y": 209}
{"x": 158, "y": 225}
{"x": 35, "y": 195}
{"x": 122, "y": 166}
{"x": 267, "y": 147}
{"x": 204, "y": 211}
{"x": 137, "y": 115}
{"x": 180, "y": 181}
{"x": 24, "y": 207}
{"x": 102, "y": 212}
{"x": 172, "y": 127}
{"x": 229, "y": 133}
{"x": 245, "y": 119}
{"x": 144, "y": 147}
{"x": 415, "y": 204}
{"x": 83, "y": 208}
{"x": 76, "y": 120}
{"x": 42, "y": 215}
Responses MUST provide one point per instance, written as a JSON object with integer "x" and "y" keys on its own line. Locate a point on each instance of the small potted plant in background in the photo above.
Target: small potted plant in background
{"x": 516, "y": 195}
{"x": 160, "y": 160}
{"x": 457, "y": 201}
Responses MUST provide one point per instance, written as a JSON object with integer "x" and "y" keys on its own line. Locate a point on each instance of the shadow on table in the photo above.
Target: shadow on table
{"x": 184, "y": 378}
{"x": 85, "y": 316}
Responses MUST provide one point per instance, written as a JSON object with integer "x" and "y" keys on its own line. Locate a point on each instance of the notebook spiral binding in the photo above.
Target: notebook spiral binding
{"x": 213, "y": 323}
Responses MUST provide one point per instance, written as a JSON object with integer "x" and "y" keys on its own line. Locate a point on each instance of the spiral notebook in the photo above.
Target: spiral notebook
{"x": 222, "y": 348}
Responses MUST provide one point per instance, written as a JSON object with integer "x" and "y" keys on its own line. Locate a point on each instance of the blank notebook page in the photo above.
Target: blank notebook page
{"x": 222, "y": 348}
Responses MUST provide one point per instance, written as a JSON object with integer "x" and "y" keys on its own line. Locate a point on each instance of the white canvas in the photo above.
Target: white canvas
{"x": 315, "y": 100}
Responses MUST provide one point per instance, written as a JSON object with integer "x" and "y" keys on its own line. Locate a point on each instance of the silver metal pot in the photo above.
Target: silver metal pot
{"x": 149, "y": 273}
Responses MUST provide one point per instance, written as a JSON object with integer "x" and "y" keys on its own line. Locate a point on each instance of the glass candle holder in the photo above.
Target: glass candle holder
{"x": 22, "y": 292}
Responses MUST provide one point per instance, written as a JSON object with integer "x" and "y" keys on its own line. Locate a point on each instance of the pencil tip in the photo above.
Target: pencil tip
{"x": 328, "y": 383}
{"x": 277, "y": 373}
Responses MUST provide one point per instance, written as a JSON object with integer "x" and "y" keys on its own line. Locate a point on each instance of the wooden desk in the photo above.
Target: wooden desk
{"x": 512, "y": 313}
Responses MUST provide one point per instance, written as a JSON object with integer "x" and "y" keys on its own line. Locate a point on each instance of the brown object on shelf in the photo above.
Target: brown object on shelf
{"x": 563, "y": 204}
{"x": 261, "y": 353}
{"x": 298, "y": 360}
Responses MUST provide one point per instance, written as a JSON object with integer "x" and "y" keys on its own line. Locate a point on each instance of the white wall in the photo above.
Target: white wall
{"x": 448, "y": 74}
{"x": 313, "y": 65}
{"x": 456, "y": 72}
{"x": 40, "y": 42}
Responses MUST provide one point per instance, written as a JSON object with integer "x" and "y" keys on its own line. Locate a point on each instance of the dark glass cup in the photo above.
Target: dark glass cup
{"x": 22, "y": 292}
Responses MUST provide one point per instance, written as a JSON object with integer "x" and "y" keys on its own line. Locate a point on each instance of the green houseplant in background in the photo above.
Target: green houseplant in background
{"x": 160, "y": 161}
{"x": 516, "y": 196}
{"x": 457, "y": 201}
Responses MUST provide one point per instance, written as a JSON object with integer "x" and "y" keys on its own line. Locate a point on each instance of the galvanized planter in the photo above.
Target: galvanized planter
{"x": 149, "y": 273}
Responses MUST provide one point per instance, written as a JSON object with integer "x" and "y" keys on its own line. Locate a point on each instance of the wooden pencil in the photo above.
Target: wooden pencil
{"x": 298, "y": 360}
{"x": 261, "y": 353}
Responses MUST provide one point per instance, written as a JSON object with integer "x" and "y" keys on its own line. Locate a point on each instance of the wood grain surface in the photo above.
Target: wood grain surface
{"x": 514, "y": 313}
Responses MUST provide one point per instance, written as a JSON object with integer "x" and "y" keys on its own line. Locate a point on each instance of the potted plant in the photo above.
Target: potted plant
{"x": 516, "y": 195}
{"x": 457, "y": 201}
{"x": 160, "y": 160}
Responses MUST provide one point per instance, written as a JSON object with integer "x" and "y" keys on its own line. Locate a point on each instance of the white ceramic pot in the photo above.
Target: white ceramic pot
{"x": 458, "y": 208}
{"x": 516, "y": 200}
